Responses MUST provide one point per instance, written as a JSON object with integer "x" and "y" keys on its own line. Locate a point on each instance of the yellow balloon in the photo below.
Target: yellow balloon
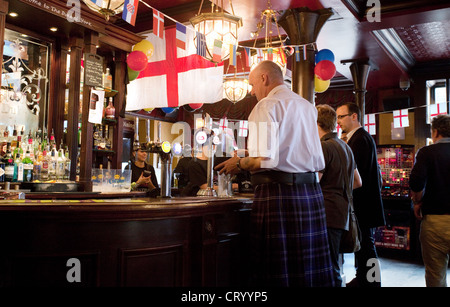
{"x": 146, "y": 47}
{"x": 149, "y": 110}
{"x": 321, "y": 85}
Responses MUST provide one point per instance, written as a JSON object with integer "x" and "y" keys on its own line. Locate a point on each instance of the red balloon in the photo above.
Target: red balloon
{"x": 325, "y": 70}
{"x": 196, "y": 106}
{"x": 137, "y": 60}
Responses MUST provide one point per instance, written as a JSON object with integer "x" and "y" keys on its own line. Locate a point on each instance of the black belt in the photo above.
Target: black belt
{"x": 283, "y": 177}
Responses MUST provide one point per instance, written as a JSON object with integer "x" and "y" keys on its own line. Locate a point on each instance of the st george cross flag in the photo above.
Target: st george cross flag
{"x": 223, "y": 124}
{"x": 158, "y": 23}
{"x": 129, "y": 13}
{"x": 437, "y": 109}
{"x": 175, "y": 77}
{"x": 401, "y": 118}
{"x": 181, "y": 36}
{"x": 243, "y": 128}
{"x": 370, "y": 124}
{"x": 217, "y": 51}
{"x": 259, "y": 55}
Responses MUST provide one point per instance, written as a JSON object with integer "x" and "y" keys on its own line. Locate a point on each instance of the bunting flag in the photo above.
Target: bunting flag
{"x": 282, "y": 55}
{"x": 304, "y": 53}
{"x": 233, "y": 55}
{"x": 201, "y": 44}
{"x": 175, "y": 77}
{"x": 129, "y": 13}
{"x": 158, "y": 23}
{"x": 437, "y": 109}
{"x": 338, "y": 130}
{"x": 270, "y": 54}
{"x": 297, "y": 53}
{"x": 181, "y": 36}
{"x": 248, "y": 58}
{"x": 217, "y": 51}
{"x": 243, "y": 128}
{"x": 223, "y": 124}
{"x": 401, "y": 118}
{"x": 259, "y": 55}
{"x": 370, "y": 124}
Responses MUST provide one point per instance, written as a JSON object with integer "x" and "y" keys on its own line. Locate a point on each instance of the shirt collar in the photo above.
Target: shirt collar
{"x": 350, "y": 134}
{"x": 276, "y": 89}
{"x": 443, "y": 140}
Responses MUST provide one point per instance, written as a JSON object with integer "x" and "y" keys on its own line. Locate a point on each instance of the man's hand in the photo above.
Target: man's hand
{"x": 228, "y": 167}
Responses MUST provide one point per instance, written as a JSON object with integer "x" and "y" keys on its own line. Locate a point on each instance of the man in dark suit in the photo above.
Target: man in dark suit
{"x": 367, "y": 199}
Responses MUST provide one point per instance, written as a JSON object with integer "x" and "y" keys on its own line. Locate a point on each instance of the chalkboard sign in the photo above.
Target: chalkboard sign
{"x": 93, "y": 70}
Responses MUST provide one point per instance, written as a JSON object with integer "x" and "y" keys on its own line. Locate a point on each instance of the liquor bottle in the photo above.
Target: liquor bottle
{"x": 37, "y": 163}
{"x": 27, "y": 166}
{"x": 52, "y": 138}
{"x": 110, "y": 110}
{"x": 52, "y": 164}
{"x": 18, "y": 165}
{"x": 2, "y": 169}
{"x": 9, "y": 163}
{"x": 44, "y": 166}
{"x": 60, "y": 165}
{"x": 67, "y": 164}
{"x": 107, "y": 80}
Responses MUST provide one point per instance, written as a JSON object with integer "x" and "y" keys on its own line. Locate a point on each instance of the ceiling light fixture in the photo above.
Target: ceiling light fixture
{"x": 13, "y": 14}
{"x": 217, "y": 25}
{"x": 107, "y": 8}
{"x": 235, "y": 88}
{"x": 268, "y": 16}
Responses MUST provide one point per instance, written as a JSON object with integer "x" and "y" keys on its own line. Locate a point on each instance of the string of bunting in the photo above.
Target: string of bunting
{"x": 158, "y": 26}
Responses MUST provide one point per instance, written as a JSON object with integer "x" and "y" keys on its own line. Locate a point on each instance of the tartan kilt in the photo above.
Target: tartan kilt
{"x": 289, "y": 237}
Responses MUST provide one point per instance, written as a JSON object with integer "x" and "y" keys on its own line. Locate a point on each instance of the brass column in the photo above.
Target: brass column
{"x": 303, "y": 26}
{"x": 360, "y": 71}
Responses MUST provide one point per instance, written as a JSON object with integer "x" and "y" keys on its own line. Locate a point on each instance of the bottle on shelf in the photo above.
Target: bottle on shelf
{"x": 18, "y": 165}
{"x": 9, "y": 163}
{"x": 44, "y": 165}
{"x": 60, "y": 164}
{"x": 107, "y": 80}
{"x": 110, "y": 110}
{"x": 52, "y": 166}
{"x": 67, "y": 164}
{"x": 27, "y": 166}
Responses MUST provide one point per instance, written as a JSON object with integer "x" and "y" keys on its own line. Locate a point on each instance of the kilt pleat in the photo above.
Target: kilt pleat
{"x": 289, "y": 236}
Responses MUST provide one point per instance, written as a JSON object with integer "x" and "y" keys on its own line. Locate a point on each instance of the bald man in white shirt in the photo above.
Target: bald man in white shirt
{"x": 288, "y": 225}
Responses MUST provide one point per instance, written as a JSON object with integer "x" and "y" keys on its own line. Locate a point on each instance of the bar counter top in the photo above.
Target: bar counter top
{"x": 125, "y": 242}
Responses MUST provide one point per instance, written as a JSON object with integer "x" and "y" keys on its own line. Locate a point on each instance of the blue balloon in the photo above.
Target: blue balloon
{"x": 324, "y": 54}
{"x": 168, "y": 110}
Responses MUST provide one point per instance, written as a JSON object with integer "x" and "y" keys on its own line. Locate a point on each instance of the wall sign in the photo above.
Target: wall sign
{"x": 93, "y": 70}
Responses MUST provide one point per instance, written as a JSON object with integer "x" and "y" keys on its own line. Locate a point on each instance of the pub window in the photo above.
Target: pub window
{"x": 24, "y": 83}
{"x": 436, "y": 93}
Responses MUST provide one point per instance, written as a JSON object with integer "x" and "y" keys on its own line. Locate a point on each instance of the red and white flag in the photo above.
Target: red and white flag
{"x": 370, "y": 124}
{"x": 437, "y": 109}
{"x": 223, "y": 124}
{"x": 243, "y": 128}
{"x": 158, "y": 23}
{"x": 175, "y": 77}
{"x": 401, "y": 118}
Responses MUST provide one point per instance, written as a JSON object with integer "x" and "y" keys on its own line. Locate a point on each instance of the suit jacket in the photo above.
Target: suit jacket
{"x": 367, "y": 199}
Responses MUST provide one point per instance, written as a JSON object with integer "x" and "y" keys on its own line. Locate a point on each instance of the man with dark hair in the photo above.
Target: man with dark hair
{"x": 339, "y": 177}
{"x": 429, "y": 183}
{"x": 367, "y": 200}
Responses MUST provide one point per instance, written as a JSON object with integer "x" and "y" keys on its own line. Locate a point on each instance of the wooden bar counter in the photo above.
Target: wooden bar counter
{"x": 175, "y": 242}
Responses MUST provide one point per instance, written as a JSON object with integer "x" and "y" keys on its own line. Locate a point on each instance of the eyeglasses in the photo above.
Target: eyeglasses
{"x": 342, "y": 116}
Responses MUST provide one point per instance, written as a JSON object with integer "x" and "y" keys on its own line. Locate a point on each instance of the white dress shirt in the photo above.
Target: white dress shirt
{"x": 283, "y": 128}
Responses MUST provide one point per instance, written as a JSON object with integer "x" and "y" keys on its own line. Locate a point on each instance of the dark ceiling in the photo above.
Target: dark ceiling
{"x": 411, "y": 34}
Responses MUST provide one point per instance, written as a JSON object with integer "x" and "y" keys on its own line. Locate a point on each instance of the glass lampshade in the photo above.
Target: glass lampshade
{"x": 108, "y": 7}
{"x": 235, "y": 89}
{"x": 220, "y": 26}
{"x": 276, "y": 58}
